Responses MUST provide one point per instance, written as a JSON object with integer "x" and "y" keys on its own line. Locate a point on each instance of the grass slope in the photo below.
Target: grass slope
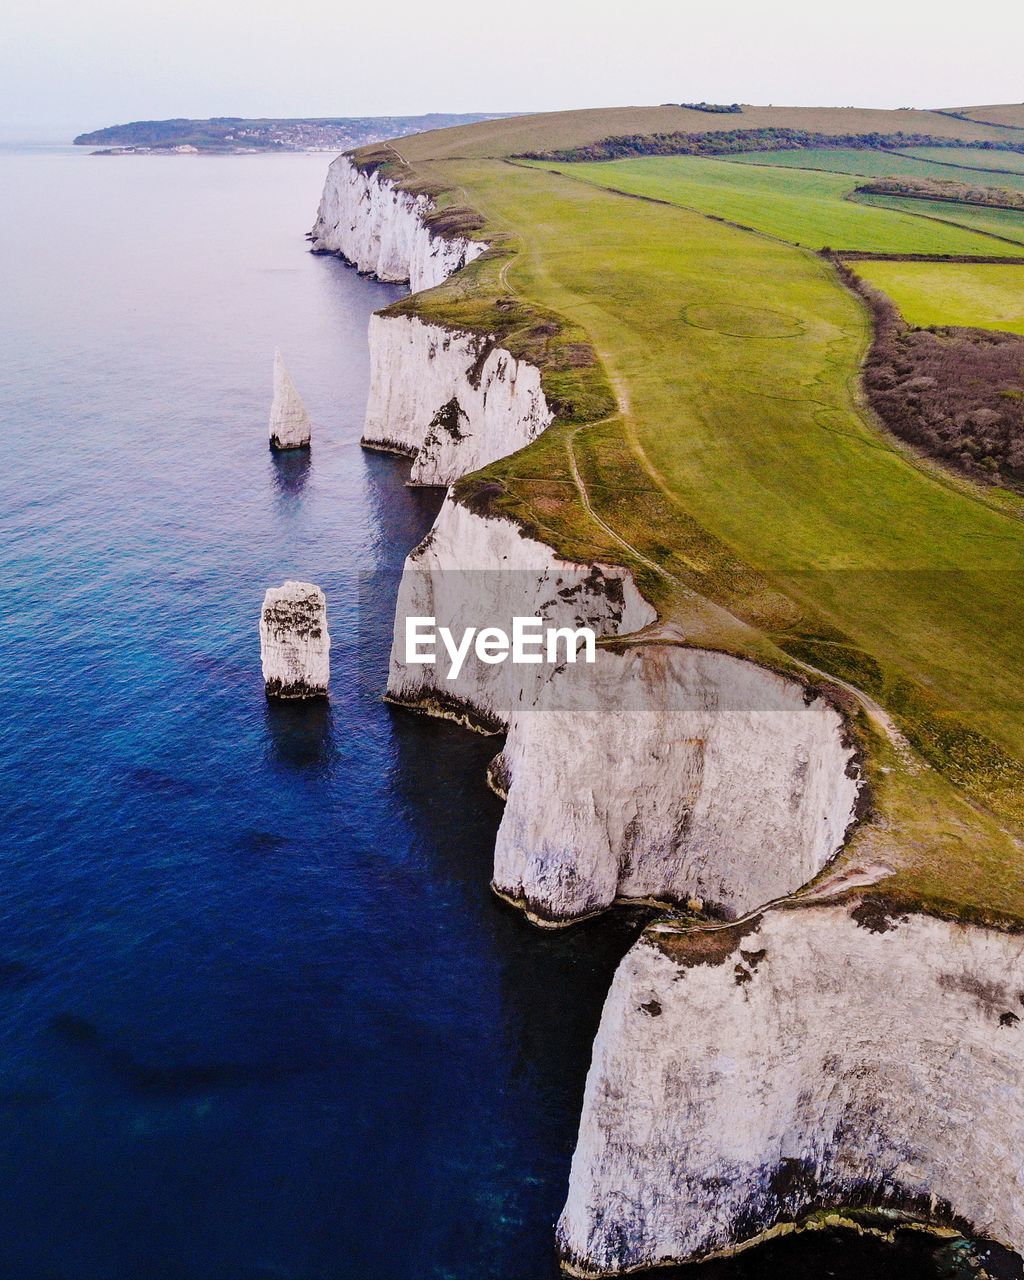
{"x": 1007, "y": 224}
{"x": 971, "y": 295}
{"x": 973, "y": 158}
{"x": 559, "y": 129}
{"x": 884, "y": 164}
{"x": 1007, "y": 115}
{"x": 805, "y": 208}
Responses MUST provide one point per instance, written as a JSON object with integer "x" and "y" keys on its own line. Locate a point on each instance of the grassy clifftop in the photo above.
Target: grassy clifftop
{"x": 710, "y": 435}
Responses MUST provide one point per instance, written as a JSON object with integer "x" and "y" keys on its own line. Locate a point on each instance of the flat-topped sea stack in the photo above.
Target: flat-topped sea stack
{"x": 294, "y": 642}
{"x": 290, "y": 427}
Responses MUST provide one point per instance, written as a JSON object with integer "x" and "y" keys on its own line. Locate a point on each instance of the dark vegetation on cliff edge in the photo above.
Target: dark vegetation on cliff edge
{"x": 575, "y": 386}
{"x": 956, "y": 395}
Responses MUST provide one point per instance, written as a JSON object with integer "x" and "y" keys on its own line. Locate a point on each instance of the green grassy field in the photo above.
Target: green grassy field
{"x": 1007, "y": 224}
{"x": 719, "y": 449}
{"x": 973, "y": 158}
{"x": 976, "y": 295}
{"x": 883, "y": 164}
{"x": 805, "y": 208}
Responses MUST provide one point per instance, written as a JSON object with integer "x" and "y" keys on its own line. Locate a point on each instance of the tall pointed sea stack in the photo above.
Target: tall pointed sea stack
{"x": 295, "y": 647}
{"x": 289, "y": 422}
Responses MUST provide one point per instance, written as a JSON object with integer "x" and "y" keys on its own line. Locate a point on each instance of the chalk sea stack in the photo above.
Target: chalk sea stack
{"x": 290, "y": 427}
{"x": 294, "y": 643}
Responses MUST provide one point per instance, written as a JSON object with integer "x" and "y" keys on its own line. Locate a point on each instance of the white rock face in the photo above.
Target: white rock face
{"x": 452, "y": 401}
{"x": 294, "y": 644}
{"x": 669, "y": 773}
{"x": 818, "y": 1053}
{"x": 472, "y": 571}
{"x": 290, "y": 427}
{"x": 380, "y": 229}
{"x": 657, "y": 773}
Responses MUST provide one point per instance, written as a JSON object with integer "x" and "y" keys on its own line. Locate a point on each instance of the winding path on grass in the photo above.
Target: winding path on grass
{"x": 743, "y": 471}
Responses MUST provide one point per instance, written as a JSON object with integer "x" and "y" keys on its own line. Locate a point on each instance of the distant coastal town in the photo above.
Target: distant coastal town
{"x": 233, "y": 135}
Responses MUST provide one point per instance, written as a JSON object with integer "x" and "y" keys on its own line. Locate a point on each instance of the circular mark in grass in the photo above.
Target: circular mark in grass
{"x": 737, "y": 321}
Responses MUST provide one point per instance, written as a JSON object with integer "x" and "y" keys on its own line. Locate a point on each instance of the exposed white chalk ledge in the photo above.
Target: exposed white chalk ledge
{"x": 836, "y": 1056}
{"x": 477, "y": 571}
{"x": 380, "y": 229}
{"x": 452, "y": 401}
{"x": 294, "y": 642}
{"x": 290, "y": 427}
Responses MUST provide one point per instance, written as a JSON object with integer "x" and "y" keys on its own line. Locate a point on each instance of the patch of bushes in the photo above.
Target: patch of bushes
{"x": 957, "y": 395}
{"x": 714, "y": 108}
{"x": 944, "y": 189}
{"x": 721, "y": 142}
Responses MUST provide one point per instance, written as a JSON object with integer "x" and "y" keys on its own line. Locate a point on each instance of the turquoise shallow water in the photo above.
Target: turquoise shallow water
{"x": 261, "y": 1016}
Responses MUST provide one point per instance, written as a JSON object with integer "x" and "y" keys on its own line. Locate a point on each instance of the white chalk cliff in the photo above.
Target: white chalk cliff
{"x": 380, "y": 229}
{"x": 290, "y": 427}
{"x": 669, "y": 773}
{"x": 809, "y": 1055}
{"x": 826, "y": 1055}
{"x": 478, "y": 571}
{"x": 295, "y": 646}
{"x": 451, "y": 401}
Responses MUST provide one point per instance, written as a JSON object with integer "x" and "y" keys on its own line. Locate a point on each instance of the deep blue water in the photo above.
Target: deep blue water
{"x": 261, "y": 1017}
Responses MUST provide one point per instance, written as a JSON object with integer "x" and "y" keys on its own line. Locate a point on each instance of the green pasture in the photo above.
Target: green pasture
{"x": 1006, "y": 224}
{"x": 974, "y": 158}
{"x": 738, "y": 358}
{"x": 975, "y": 295}
{"x": 869, "y": 163}
{"x": 803, "y": 207}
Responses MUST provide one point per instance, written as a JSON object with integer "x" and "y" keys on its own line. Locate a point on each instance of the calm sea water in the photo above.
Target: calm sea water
{"x": 261, "y": 1016}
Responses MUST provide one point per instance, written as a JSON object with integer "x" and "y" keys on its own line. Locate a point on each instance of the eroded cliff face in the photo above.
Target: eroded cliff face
{"x": 476, "y": 571}
{"x": 451, "y": 401}
{"x": 379, "y": 228}
{"x": 656, "y": 773}
{"x": 670, "y": 773}
{"x": 809, "y": 1055}
{"x": 827, "y": 1055}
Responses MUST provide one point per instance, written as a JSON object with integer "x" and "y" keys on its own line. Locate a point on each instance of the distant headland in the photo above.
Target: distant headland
{"x": 233, "y": 135}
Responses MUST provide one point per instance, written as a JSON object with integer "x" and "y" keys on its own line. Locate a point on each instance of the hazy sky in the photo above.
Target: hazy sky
{"x": 71, "y": 65}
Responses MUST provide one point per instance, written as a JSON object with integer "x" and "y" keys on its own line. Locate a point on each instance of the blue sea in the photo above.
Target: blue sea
{"x": 261, "y": 1017}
